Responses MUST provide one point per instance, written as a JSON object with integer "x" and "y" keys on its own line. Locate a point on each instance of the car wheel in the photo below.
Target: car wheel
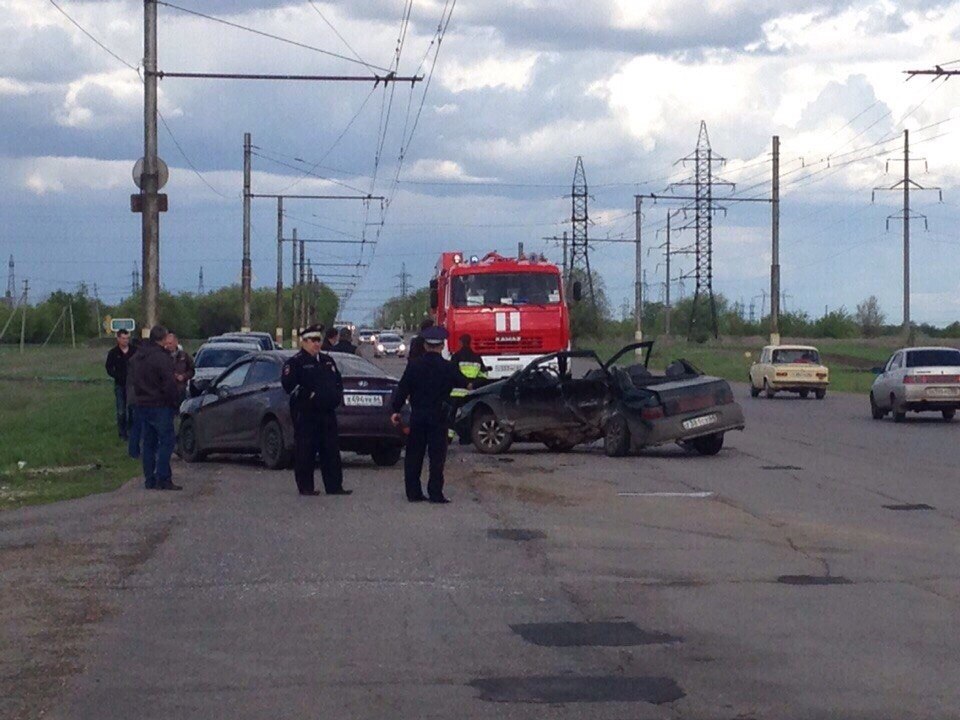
{"x": 948, "y": 415}
{"x": 188, "y": 447}
{"x": 754, "y": 391}
{"x": 876, "y": 412}
{"x": 767, "y": 389}
{"x": 708, "y": 444}
{"x": 386, "y": 455}
{"x": 489, "y": 435}
{"x": 559, "y": 446}
{"x": 272, "y": 450}
{"x": 898, "y": 415}
{"x": 616, "y": 437}
{"x": 820, "y": 394}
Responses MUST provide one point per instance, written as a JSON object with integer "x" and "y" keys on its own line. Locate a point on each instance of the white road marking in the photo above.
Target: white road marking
{"x": 666, "y": 494}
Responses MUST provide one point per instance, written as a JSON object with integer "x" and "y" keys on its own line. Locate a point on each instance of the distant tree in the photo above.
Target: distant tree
{"x": 589, "y": 319}
{"x": 836, "y": 324}
{"x": 869, "y": 317}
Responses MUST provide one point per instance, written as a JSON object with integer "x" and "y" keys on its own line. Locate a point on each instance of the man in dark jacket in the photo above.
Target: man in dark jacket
{"x": 466, "y": 354}
{"x": 116, "y": 366}
{"x": 416, "y": 345}
{"x": 183, "y": 367}
{"x": 312, "y": 380}
{"x": 427, "y": 382}
{"x": 345, "y": 345}
{"x": 157, "y": 400}
{"x": 330, "y": 338}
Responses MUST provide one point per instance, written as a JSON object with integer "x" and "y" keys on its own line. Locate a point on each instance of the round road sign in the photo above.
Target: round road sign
{"x": 162, "y": 170}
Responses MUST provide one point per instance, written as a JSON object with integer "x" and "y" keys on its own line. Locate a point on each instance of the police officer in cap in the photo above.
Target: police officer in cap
{"x": 312, "y": 380}
{"x": 427, "y": 383}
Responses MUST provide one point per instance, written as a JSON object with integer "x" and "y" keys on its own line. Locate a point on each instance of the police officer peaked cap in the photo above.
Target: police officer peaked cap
{"x": 312, "y": 332}
{"x": 434, "y": 335}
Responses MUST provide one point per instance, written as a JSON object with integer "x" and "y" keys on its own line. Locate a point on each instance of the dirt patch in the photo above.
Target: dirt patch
{"x": 531, "y": 494}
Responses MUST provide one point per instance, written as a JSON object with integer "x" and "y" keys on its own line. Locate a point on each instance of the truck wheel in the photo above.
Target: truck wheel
{"x": 708, "y": 444}
{"x": 386, "y": 455}
{"x": 272, "y": 450}
{"x": 188, "y": 446}
{"x": 875, "y": 412}
{"x": 616, "y": 437}
{"x": 489, "y": 435}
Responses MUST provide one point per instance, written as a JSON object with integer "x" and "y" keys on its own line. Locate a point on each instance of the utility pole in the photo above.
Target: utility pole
{"x": 580, "y": 221}
{"x": 279, "y": 300}
{"x": 11, "y": 283}
{"x": 775, "y": 256}
{"x": 667, "y": 307}
{"x": 150, "y": 180}
{"x": 404, "y": 278}
{"x": 73, "y": 333}
{"x": 906, "y": 214}
{"x": 200, "y": 287}
{"x": 638, "y": 269}
{"x": 245, "y": 275}
{"x": 96, "y": 297}
{"x": 566, "y": 272}
{"x": 303, "y": 308}
{"x": 23, "y": 314}
{"x": 135, "y": 280}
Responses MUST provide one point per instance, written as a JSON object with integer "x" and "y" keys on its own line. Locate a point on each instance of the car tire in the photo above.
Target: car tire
{"x": 948, "y": 415}
{"x": 273, "y": 452}
{"x": 770, "y": 393}
{"x": 876, "y": 412}
{"x": 754, "y": 391}
{"x": 820, "y": 394}
{"x": 708, "y": 444}
{"x": 804, "y": 394}
{"x": 188, "y": 447}
{"x": 559, "y": 446}
{"x": 386, "y": 455}
{"x": 616, "y": 437}
{"x": 489, "y": 435}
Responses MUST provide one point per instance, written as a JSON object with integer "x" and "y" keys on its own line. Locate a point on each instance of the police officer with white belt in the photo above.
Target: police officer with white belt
{"x": 312, "y": 380}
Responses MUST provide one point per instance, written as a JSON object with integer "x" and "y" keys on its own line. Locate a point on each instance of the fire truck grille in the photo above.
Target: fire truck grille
{"x": 521, "y": 345}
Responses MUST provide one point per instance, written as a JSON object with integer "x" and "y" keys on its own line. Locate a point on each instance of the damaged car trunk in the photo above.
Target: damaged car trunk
{"x": 568, "y": 398}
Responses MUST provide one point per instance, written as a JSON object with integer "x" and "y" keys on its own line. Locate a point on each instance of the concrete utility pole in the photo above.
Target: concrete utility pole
{"x": 566, "y": 272}
{"x": 150, "y": 180}
{"x": 775, "y": 256}
{"x": 23, "y": 313}
{"x": 73, "y": 332}
{"x": 638, "y": 274}
{"x": 667, "y": 308}
{"x": 96, "y": 297}
{"x": 279, "y": 300}
{"x": 303, "y": 308}
{"x": 245, "y": 275}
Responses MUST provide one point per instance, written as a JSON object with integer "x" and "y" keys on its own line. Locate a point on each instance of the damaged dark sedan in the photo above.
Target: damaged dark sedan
{"x": 568, "y": 398}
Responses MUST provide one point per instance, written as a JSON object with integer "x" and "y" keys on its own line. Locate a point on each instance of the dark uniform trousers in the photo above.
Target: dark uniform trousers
{"x": 315, "y": 436}
{"x": 426, "y": 435}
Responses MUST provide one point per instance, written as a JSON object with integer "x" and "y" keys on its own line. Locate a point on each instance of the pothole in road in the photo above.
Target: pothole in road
{"x": 515, "y": 534}
{"x": 813, "y": 580}
{"x": 910, "y": 506}
{"x": 565, "y": 688}
{"x": 592, "y": 634}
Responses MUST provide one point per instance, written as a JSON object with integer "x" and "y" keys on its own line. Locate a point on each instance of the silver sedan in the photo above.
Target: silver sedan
{"x": 919, "y": 379}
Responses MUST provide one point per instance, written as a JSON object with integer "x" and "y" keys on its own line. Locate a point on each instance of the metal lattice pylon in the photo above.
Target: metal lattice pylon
{"x": 580, "y": 220}
{"x": 11, "y": 283}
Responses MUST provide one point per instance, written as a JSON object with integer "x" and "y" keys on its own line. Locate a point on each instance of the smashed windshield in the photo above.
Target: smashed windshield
{"x": 489, "y": 289}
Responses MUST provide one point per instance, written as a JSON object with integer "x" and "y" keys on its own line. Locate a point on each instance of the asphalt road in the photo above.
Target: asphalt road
{"x": 770, "y": 581}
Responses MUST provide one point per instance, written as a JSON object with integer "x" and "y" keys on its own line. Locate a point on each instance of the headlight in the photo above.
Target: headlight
{"x": 380, "y": 348}
{"x": 402, "y": 347}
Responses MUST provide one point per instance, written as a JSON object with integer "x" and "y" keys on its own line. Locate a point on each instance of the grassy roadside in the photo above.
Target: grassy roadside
{"x": 57, "y": 424}
{"x": 850, "y": 361}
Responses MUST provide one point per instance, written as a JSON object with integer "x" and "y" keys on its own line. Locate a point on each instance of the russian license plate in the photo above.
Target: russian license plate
{"x": 699, "y": 422}
{"x": 943, "y": 392}
{"x": 355, "y": 400}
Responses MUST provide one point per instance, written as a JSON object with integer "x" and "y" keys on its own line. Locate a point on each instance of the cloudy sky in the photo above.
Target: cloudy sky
{"x": 519, "y": 89}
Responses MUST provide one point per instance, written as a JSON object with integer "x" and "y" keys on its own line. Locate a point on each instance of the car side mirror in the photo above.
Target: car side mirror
{"x": 877, "y": 370}
{"x": 434, "y": 295}
{"x": 577, "y": 291}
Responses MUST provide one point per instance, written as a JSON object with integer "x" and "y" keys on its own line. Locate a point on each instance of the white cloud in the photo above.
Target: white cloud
{"x": 429, "y": 169}
{"x": 101, "y": 99}
{"x": 488, "y": 72}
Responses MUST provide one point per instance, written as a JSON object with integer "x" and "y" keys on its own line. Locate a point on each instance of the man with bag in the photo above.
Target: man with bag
{"x": 312, "y": 380}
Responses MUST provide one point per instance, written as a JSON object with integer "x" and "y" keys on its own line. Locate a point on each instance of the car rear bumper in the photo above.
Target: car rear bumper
{"x": 671, "y": 429}
{"x": 790, "y": 385}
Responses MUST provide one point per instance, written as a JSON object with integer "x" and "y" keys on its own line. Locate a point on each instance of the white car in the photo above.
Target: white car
{"x": 920, "y": 379}
{"x": 388, "y": 343}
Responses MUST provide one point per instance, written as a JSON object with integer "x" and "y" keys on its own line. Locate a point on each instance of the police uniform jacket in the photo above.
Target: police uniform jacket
{"x": 313, "y": 383}
{"x": 427, "y": 383}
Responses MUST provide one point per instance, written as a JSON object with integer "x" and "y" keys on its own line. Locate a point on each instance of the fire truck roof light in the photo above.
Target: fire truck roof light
{"x": 474, "y": 259}
{"x": 457, "y": 258}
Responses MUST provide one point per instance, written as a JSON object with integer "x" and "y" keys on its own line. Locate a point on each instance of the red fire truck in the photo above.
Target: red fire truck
{"x": 513, "y": 308}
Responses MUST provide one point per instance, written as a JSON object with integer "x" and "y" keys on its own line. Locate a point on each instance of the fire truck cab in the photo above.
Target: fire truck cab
{"x": 514, "y": 309}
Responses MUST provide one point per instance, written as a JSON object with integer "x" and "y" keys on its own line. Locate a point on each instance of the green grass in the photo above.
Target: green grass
{"x": 58, "y": 424}
{"x": 850, "y": 361}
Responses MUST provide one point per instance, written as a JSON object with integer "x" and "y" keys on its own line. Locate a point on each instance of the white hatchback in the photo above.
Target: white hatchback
{"x": 920, "y": 379}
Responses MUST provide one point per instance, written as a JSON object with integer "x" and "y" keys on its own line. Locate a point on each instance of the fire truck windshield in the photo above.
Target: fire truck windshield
{"x": 490, "y": 289}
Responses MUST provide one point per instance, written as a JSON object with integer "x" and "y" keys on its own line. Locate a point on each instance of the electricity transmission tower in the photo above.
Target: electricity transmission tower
{"x": 580, "y": 219}
{"x": 135, "y": 280}
{"x": 200, "y": 282}
{"x": 704, "y": 208}
{"x": 404, "y": 278}
{"x": 906, "y": 214}
{"x": 11, "y": 283}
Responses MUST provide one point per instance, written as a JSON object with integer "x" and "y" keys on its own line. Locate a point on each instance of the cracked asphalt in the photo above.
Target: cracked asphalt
{"x": 554, "y": 586}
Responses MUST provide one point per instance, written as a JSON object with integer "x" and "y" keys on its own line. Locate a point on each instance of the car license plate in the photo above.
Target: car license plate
{"x": 354, "y": 400}
{"x": 699, "y": 422}
{"x": 943, "y": 392}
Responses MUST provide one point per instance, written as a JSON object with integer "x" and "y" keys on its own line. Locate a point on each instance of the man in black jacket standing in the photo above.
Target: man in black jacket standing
{"x": 312, "y": 380}
{"x": 157, "y": 397}
{"x": 427, "y": 382}
{"x": 344, "y": 343}
{"x": 116, "y": 366}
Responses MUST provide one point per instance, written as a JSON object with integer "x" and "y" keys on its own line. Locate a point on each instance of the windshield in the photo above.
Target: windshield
{"x": 354, "y": 366}
{"x": 933, "y": 358}
{"x": 214, "y": 357}
{"x": 796, "y": 356}
{"x": 488, "y": 289}
{"x": 389, "y": 338}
